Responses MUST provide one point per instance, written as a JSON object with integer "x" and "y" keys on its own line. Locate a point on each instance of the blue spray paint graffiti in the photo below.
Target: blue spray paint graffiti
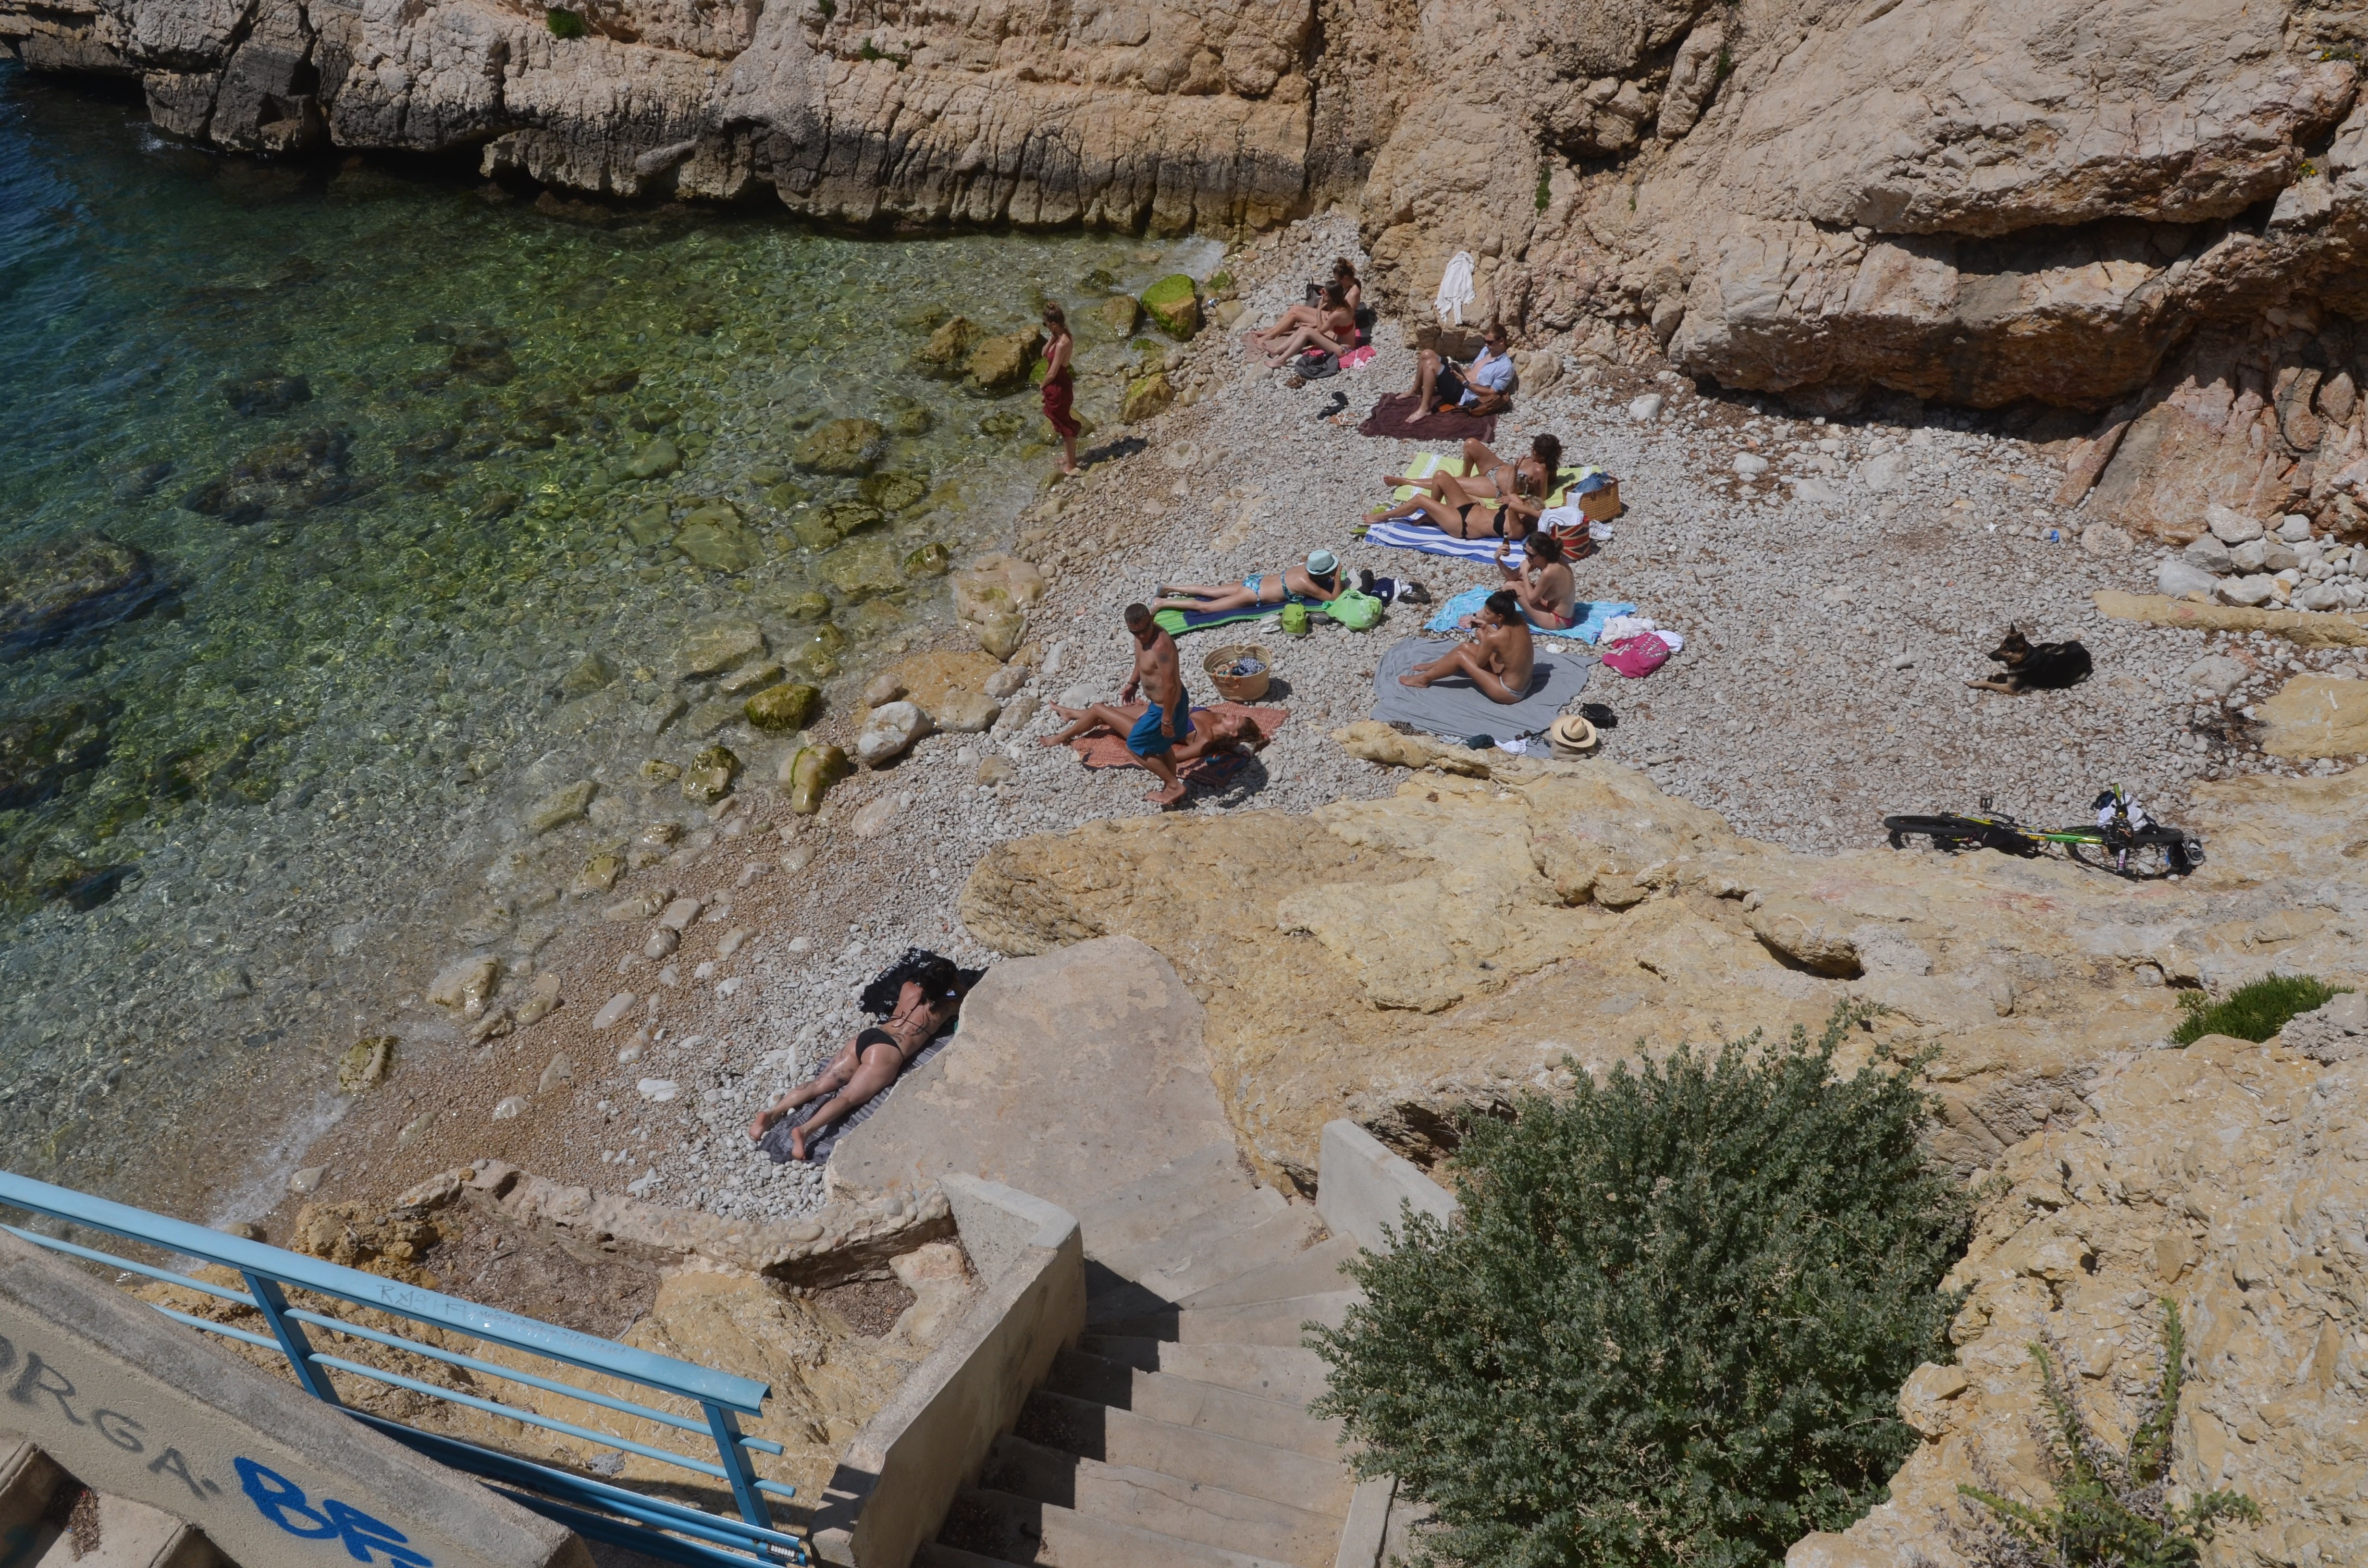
{"x": 281, "y": 1501}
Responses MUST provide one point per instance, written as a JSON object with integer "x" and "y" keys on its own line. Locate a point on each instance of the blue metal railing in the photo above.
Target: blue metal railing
{"x": 673, "y": 1533}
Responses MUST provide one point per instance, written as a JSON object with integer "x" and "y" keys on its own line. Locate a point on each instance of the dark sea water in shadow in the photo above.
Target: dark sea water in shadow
{"x": 371, "y": 429}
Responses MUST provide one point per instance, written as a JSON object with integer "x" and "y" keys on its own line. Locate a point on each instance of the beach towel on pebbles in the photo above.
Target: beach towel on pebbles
{"x": 1455, "y": 707}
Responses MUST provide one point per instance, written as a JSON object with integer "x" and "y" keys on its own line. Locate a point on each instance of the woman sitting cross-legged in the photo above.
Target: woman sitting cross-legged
{"x": 1542, "y": 582}
{"x": 1321, "y": 579}
{"x": 1335, "y": 332}
{"x": 915, "y": 999}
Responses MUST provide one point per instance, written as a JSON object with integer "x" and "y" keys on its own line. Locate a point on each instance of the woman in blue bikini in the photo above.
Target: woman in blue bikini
{"x": 1320, "y": 580}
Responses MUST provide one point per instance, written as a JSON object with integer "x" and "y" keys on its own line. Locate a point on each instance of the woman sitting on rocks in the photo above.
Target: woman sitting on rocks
{"x": 1352, "y": 295}
{"x": 914, "y": 998}
{"x": 1320, "y": 580}
{"x": 1334, "y": 330}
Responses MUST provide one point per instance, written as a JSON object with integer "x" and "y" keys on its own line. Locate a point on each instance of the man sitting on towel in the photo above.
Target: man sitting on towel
{"x": 1499, "y": 659}
{"x": 1482, "y": 388}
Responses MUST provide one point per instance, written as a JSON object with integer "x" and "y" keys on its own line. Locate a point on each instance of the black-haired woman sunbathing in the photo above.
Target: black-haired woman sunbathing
{"x": 915, "y": 999}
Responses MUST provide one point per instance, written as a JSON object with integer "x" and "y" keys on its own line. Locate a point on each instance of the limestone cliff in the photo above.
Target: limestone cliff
{"x": 2149, "y": 211}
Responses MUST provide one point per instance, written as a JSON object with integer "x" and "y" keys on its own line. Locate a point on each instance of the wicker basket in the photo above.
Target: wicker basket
{"x": 1239, "y": 688}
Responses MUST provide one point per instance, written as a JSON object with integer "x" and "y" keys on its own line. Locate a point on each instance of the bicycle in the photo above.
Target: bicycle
{"x": 2124, "y": 840}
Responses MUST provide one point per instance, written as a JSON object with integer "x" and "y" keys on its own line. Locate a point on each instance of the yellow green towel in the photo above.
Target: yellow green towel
{"x": 1430, "y": 465}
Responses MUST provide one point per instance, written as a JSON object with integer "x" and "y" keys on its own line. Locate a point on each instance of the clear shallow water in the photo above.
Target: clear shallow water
{"x": 309, "y": 750}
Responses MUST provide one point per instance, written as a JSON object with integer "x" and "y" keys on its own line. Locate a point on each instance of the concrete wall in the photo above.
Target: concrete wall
{"x": 1360, "y": 1187}
{"x": 135, "y": 1405}
{"x": 900, "y": 1475}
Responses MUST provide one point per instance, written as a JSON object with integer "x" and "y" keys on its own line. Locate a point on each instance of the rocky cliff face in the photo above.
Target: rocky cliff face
{"x": 2149, "y": 212}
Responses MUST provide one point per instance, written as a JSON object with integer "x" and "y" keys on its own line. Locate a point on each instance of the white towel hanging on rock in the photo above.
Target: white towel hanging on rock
{"x": 1455, "y": 288}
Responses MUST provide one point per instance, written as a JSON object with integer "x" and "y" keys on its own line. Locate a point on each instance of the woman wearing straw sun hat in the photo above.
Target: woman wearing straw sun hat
{"x": 1320, "y": 579}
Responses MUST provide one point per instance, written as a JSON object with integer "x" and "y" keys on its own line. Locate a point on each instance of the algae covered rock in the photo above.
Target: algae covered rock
{"x": 807, "y": 604}
{"x": 893, "y": 491}
{"x": 781, "y": 708}
{"x": 1146, "y": 396}
{"x": 809, "y": 775}
{"x": 708, "y": 778}
{"x": 862, "y": 569}
{"x": 366, "y": 1064}
{"x": 52, "y": 591}
{"x": 650, "y": 526}
{"x": 1115, "y": 317}
{"x": 842, "y": 447}
{"x": 813, "y": 531}
{"x": 563, "y": 806}
{"x": 1001, "y": 634}
{"x": 717, "y": 540}
{"x": 948, "y": 350}
{"x": 587, "y": 675}
{"x": 659, "y": 458}
{"x": 719, "y": 645}
{"x": 1000, "y": 365}
{"x": 1175, "y": 303}
{"x": 814, "y": 654}
{"x": 42, "y": 747}
{"x": 932, "y": 559}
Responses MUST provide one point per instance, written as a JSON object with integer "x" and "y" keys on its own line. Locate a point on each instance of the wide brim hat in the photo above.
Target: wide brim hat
{"x": 1571, "y": 735}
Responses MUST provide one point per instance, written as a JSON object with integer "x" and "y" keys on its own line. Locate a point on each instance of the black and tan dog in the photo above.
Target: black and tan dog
{"x": 2035, "y": 666}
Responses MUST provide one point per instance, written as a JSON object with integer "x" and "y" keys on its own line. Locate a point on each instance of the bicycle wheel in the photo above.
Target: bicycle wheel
{"x": 1955, "y": 833}
{"x": 2139, "y": 859}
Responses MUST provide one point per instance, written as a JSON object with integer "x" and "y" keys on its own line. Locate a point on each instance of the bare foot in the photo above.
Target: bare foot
{"x": 760, "y": 1124}
{"x": 1416, "y": 679}
{"x": 1167, "y": 797}
{"x": 797, "y": 1142}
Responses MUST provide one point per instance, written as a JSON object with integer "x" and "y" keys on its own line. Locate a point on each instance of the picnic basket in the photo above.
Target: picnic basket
{"x": 1238, "y": 689}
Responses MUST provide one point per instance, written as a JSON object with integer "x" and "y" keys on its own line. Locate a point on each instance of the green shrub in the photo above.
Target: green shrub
{"x": 2253, "y": 1012}
{"x": 563, "y": 24}
{"x": 2109, "y": 1512}
{"x": 1546, "y": 187}
{"x": 1673, "y": 1321}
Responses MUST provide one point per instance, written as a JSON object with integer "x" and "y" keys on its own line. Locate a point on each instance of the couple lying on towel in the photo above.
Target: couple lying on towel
{"x": 1508, "y": 497}
{"x": 914, "y": 999}
{"x": 1499, "y": 659}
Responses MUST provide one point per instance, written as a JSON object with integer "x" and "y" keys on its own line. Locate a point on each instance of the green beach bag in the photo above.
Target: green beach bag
{"x": 1358, "y": 612}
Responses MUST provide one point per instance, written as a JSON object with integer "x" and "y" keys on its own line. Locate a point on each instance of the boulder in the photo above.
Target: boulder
{"x": 1174, "y": 305}
{"x": 1146, "y": 396}
{"x": 563, "y": 806}
{"x": 2257, "y": 589}
{"x": 932, "y": 559}
{"x": 1114, "y": 318}
{"x": 1001, "y": 633}
{"x": 1000, "y": 365}
{"x": 842, "y": 447}
{"x": 948, "y": 351}
{"x": 2207, "y": 554}
{"x": 996, "y": 583}
{"x": 715, "y": 539}
{"x": 893, "y": 491}
{"x": 587, "y": 675}
{"x": 2231, "y": 527}
{"x": 966, "y": 713}
{"x": 653, "y": 461}
{"x": 2178, "y": 578}
{"x": 781, "y": 708}
{"x": 890, "y": 733}
{"x": 52, "y": 591}
{"x": 708, "y": 778}
{"x": 811, "y": 773}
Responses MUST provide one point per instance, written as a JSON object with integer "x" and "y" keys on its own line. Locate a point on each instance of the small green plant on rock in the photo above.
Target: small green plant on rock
{"x": 2109, "y": 1512}
{"x": 1672, "y": 1321}
{"x": 564, "y": 24}
{"x": 2253, "y": 1012}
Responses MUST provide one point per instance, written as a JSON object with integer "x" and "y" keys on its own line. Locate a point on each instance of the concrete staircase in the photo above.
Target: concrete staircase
{"x": 47, "y": 1520}
{"x": 1175, "y": 1435}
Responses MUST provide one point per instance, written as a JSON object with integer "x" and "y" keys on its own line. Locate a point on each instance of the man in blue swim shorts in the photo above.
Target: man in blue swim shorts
{"x": 1169, "y": 717}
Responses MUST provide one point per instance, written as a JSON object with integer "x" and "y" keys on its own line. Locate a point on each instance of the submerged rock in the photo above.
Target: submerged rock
{"x": 948, "y": 349}
{"x": 781, "y": 708}
{"x": 717, "y": 540}
{"x": 863, "y": 569}
{"x": 265, "y": 391}
{"x": 843, "y": 447}
{"x": 42, "y": 747}
{"x": 708, "y": 778}
{"x": 894, "y": 492}
{"x": 1000, "y": 365}
{"x": 52, "y": 591}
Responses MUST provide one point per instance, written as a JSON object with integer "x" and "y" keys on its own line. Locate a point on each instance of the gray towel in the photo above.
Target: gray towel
{"x": 1455, "y": 707}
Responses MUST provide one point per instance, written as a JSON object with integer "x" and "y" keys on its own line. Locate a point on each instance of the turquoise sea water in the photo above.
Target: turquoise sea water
{"x": 371, "y": 427}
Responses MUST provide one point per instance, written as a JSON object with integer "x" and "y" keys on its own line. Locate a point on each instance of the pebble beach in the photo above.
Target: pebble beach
{"x": 1836, "y": 590}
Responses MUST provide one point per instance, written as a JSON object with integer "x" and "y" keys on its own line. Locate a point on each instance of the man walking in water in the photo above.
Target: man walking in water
{"x": 1169, "y": 717}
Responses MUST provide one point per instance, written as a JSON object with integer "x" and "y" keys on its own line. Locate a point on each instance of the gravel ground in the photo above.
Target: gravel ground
{"x": 1833, "y": 607}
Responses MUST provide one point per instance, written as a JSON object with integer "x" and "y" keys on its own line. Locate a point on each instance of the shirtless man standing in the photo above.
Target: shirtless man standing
{"x": 1498, "y": 659}
{"x": 1169, "y": 717}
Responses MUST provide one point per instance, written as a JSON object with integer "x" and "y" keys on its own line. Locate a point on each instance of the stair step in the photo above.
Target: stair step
{"x": 1105, "y": 1432}
{"x": 1288, "y": 1374}
{"x": 28, "y": 1479}
{"x": 1206, "y": 1407}
{"x": 1177, "y": 1244}
{"x": 1313, "y": 1272}
{"x": 936, "y": 1554}
{"x": 1150, "y": 1500}
{"x": 1249, "y": 1323}
{"x": 131, "y": 1535}
{"x": 1276, "y": 1239}
{"x": 1023, "y": 1530}
{"x": 1184, "y": 1187}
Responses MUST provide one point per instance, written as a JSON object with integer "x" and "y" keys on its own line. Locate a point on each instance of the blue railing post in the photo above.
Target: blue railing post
{"x": 268, "y": 1300}
{"x": 739, "y": 1467}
